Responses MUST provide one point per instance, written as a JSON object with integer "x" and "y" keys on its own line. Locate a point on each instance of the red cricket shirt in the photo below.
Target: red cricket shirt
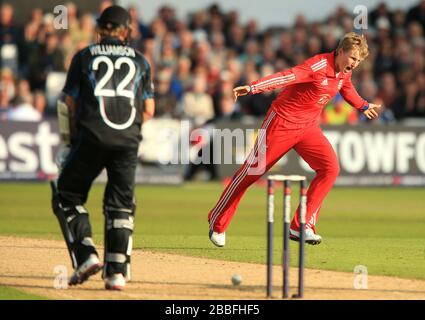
{"x": 307, "y": 88}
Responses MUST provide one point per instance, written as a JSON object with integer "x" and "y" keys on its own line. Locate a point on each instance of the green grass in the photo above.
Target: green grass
{"x": 383, "y": 229}
{"x": 7, "y": 293}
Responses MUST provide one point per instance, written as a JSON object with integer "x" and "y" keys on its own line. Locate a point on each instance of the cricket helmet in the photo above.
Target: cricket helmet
{"x": 113, "y": 17}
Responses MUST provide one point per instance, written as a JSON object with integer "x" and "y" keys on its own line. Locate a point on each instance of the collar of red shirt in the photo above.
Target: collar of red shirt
{"x": 330, "y": 68}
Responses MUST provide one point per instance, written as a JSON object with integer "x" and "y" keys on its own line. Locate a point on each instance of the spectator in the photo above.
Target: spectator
{"x": 73, "y": 24}
{"x": 9, "y": 31}
{"x": 198, "y": 26}
{"x": 338, "y": 112}
{"x": 213, "y": 76}
{"x": 7, "y": 83}
{"x": 380, "y": 12}
{"x": 158, "y": 30}
{"x": 331, "y": 26}
{"x": 37, "y": 17}
{"x": 138, "y": 27}
{"x": 235, "y": 69}
{"x": 40, "y": 102}
{"x": 47, "y": 58}
{"x": 86, "y": 31}
{"x": 388, "y": 92}
{"x": 300, "y": 41}
{"x": 341, "y": 14}
{"x": 23, "y": 88}
{"x": 24, "y": 110}
{"x": 229, "y": 109}
{"x": 168, "y": 57}
{"x": 168, "y": 15}
{"x": 399, "y": 23}
{"x": 368, "y": 88}
{"x": 252, "y": 31}
{"x": 185, "y": 43}
{"x": 103, "y": 5}
{"x": 417, "y": 13}
{"x": 251, "y": 53}
{"x": 202, "y": 52}
{"x": 384, "y": 61}
{"x": 285, "y": 50}
{"x": 211, "y": 41}
{"x": 218, "y": 49}
{"x": 329, "y": 42}
{"x": 412, "y": 102}
{"x": 235, "y": 38}
{"x": 224, "y": 86}
{"x": 197, "y": 105}
{"x": 268, "y": 55}
{"x": 215, "y": 25}
{"x": 383, "y": 30}
{"x": 28, "y": 47}
{"x": 314, "y": 45}
{"x": 347, "y": 24}
{"x": 416, "y": 34}
{"x": 47, "y": 26}
{"x": 418, "y": 61}
{"x": 165, "y": 100}
{"x": 5, "y": 104}
{"x": 183, "y": 74}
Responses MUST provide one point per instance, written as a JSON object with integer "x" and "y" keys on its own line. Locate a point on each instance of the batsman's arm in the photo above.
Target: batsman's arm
{"x": 149, "y": 109}
{"x": 67, "y": 104}
{"x": 147, "y": 94}
{"x": 65, "y": 111}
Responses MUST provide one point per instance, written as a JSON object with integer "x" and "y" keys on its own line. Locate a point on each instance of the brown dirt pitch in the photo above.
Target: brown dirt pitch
{"x": 38, "y": 266}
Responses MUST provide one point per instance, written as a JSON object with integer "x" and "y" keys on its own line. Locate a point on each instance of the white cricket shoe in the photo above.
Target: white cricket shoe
{"x": 115, "y": 282}
{"x": 89, "y": 267}
{"x": 219, "y": 239}
{"x": 310, "y": 236}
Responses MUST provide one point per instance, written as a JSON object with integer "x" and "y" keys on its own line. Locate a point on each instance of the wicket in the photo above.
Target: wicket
{"x": 286, "y": 222}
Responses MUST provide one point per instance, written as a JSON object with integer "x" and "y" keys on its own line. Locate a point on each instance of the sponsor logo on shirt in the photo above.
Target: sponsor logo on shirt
{"x": 324, "y": 82}
{"x": 324, "y": 99}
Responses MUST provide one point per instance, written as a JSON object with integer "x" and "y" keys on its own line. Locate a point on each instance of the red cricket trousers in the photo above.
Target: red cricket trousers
{"x": 275, "y": 138}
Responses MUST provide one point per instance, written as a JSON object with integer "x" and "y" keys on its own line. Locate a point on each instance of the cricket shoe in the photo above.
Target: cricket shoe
{"x": 219, "y": 239}
{"x": 310, "y": 236}
{"x": 89, "y": 267}
{"x": 115, "y": 282}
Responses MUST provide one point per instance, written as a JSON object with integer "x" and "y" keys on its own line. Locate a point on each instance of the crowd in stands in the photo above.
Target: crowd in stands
{"x": 198, "y": 60}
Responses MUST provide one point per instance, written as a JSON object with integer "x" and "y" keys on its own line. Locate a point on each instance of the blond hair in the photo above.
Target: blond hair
{"x": 353, "y": 40}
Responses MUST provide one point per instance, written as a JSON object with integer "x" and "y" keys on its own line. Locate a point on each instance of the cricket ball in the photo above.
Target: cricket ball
{"x": 236, "y": 279}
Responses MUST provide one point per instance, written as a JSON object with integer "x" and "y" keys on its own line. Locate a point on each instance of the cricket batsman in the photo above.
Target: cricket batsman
{"x": 292, "y": 122}
{"x": 109, "y": 94}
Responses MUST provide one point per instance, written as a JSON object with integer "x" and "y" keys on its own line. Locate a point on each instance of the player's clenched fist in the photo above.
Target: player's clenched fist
{"x": 241, "y": 91}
